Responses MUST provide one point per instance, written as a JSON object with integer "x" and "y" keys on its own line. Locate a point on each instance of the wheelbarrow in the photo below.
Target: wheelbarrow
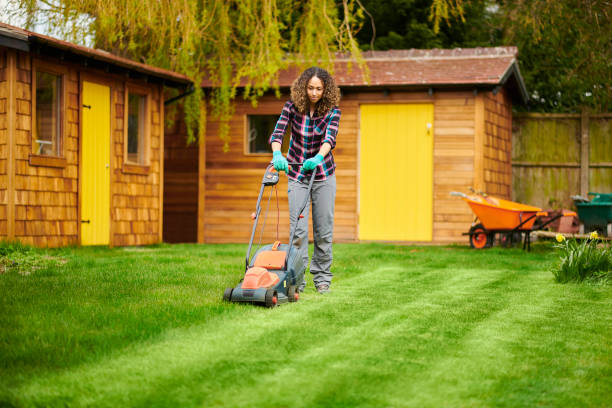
{"x": 595, "y": 214}
{"x": 512, "y": 221}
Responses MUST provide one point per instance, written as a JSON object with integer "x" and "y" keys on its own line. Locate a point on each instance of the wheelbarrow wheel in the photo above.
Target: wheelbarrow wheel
{"x": 480, "y": 238}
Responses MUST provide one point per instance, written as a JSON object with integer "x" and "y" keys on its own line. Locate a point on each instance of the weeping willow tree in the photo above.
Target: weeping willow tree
{"x": 237, "y": 44}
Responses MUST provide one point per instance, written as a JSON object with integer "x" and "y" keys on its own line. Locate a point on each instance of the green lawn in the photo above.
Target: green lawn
{"x": 403, "y": 326}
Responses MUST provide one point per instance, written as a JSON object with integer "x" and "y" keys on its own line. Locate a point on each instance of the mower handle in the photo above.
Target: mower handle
{"x": 292, "y": 163}
{"x": 258, "y": 210}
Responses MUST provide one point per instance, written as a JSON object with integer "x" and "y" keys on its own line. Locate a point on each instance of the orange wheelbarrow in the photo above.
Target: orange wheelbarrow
{"x": 509, "y": 219}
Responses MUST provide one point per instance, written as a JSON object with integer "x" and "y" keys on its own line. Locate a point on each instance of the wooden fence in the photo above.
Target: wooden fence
{"x": 555, "y": 156}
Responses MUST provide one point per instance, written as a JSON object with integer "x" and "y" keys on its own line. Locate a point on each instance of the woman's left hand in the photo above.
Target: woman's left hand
{"x": 312, "y": 162}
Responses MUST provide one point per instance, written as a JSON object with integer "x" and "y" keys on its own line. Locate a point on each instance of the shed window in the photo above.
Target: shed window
{"x": 48, "y": 127}
{"x": 259, "y": 129}
{"x": 136, "y": 129}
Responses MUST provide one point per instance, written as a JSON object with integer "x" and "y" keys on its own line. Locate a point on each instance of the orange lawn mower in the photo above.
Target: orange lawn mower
{"x": 512, "y": 221}
{"x": 274, "y": 274}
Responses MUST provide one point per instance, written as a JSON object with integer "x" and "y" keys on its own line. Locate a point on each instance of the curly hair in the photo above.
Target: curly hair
{"x": 329, "y": 99}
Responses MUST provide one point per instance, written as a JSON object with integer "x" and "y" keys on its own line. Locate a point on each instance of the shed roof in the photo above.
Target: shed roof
{"x": 24, "y": 40}
{"x": 483, "y": 67}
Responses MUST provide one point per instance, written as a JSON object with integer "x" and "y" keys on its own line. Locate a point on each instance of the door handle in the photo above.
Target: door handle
{"x": 85, "y": 221}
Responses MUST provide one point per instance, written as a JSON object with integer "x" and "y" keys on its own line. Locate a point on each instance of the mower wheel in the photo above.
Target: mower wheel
{"x": 227, "y": 295}
{"x": 271, "y": 298}
{"x": 480, "y": 238}
{"x": 292, "y": 293}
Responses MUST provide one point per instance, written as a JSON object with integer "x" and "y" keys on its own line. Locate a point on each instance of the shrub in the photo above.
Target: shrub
{"x": 23, "y": 259}
{"x": 590, "y": 259}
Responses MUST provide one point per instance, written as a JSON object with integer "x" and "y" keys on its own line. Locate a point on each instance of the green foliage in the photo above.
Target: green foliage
{"x": 233, "y": 43}
{"x": 25, "y": 260}
{"x": 564, "y": 46}
{"x": 565, "y": 52}
{"x": 586, "y": 260}
{"x": 444, "y": 9}
{"x": 405, "y": 24}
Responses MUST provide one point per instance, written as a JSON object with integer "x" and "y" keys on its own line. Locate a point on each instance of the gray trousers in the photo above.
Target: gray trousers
{"x": 322, "y": 198}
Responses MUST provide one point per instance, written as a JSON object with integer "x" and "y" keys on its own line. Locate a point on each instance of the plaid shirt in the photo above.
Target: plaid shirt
{"x": 307, "y": 136}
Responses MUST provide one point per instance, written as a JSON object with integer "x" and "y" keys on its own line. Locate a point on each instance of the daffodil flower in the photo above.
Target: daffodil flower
{"x": 560, "y": 238}
{"x": 594, "y": 235}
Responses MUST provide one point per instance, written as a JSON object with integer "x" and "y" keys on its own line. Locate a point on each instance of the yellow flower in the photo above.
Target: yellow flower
{"x": 560, "y": 238}
{"x": 594, "y": 235}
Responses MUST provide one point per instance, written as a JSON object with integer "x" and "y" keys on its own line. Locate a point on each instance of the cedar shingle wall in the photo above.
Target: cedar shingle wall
{"x": 497, "y": 150}
{"x": 45, "y": 197}
{"x": 3, "y": 141}
{"x": 135, "y": 204}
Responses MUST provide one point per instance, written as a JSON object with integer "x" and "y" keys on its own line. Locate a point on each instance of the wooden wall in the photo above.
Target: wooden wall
{"x": 4, "y": 93}
{"x": 232, "y": 179}
{"x": 45, "y": 193}
{"x": 180, "y": 184}
{"x": 455, "y": 164}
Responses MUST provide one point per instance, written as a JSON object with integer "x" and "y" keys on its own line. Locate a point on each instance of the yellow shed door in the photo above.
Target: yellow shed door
{"x": 95, "y": 165}
{"x": 396, "y": 172}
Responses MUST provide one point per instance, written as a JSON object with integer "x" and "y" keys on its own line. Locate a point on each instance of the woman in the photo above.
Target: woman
{"x": 313, "y": 115}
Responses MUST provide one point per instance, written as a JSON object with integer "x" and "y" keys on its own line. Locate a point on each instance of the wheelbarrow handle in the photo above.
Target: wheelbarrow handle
{"x": 458, "y": 194}
{"x": 579, "y": 199}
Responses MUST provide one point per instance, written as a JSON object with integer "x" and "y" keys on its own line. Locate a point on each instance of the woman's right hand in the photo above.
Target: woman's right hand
{"x": 279, "y": 162}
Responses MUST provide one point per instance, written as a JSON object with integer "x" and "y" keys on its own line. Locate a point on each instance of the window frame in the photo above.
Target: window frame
{"x": 58, "y": 160}
{"x": 284, "y": 147}
{"x": 131, "y": 166}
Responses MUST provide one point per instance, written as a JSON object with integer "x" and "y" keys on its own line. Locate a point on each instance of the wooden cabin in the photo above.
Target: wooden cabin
{"x": 81, "y": 143}
{"x": 428, "y": 122}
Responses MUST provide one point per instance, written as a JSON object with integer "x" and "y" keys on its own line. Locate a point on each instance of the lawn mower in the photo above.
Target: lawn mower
{"x": 276, "y": 271}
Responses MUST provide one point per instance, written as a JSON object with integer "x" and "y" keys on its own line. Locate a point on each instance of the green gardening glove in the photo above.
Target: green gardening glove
{"x": 279, "y": 162}
{"x": 313, "y": 162}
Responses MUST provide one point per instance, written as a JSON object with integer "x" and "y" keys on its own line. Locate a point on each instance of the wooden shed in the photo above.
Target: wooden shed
{"x": 81, "y": 143}
{"x": 428, "y": 122}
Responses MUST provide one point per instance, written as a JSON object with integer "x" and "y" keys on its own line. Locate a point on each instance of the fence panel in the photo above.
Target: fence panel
{"x": 600, "y": 173}
{"x": 546, "y": 157}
